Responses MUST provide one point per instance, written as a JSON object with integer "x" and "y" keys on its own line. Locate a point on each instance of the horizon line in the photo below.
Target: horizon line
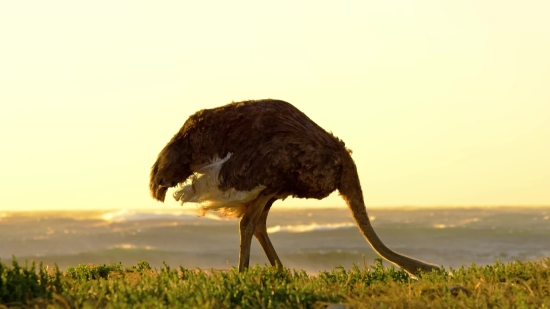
{"x": 288, "y": 208}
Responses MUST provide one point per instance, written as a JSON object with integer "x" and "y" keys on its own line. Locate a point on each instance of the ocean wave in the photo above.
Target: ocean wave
{"x": 130, "y": 246}
{"x": 461, "y": 223}
{"x": 126, "y": 215}
{"x": 313, "y": 227}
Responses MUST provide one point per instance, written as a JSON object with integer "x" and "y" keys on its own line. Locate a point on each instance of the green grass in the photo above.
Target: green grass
{"x": 511, "y": 285}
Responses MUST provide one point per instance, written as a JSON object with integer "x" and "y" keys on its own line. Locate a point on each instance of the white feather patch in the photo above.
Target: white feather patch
{"x": 203, "y": 188}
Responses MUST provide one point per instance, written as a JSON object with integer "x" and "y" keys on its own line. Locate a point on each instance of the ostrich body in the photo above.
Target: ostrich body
{"x": 241, "y": 157}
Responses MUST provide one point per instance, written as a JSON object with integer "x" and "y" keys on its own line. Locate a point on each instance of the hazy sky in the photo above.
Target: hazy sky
{"x": 442, "y": 102}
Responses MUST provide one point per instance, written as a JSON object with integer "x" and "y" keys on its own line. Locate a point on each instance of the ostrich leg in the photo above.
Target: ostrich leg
{"x": 247, "y": 227}
{"x": 261, "y": 234}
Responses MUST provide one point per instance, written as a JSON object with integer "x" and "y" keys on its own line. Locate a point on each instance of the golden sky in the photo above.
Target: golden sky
{"x": 442, "y": 102}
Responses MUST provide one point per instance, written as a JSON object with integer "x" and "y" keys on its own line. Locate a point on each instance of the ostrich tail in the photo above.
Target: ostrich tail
{"x": 350, "y": 190}
{"x": 171, "y": 167}
{"x": 157, "y": 191}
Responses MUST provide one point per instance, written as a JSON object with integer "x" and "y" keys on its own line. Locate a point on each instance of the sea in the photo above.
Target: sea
{"x": 311, "y": 239}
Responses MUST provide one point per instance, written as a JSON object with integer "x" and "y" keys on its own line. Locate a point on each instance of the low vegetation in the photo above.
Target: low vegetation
{"x": 511, "y": 285}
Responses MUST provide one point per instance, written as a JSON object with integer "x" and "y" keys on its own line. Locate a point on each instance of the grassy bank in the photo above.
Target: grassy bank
{"x": 511, "y": 285}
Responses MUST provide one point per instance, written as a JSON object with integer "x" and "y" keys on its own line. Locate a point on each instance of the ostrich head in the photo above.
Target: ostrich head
{"x": 170, "y": 169}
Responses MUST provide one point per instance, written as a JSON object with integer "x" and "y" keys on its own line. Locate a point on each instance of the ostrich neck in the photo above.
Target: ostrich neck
{"x": 350, "y": 190}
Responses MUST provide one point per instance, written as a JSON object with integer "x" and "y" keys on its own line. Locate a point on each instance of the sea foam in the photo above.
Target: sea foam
{"x": 313, "y": 227}
{"x": 125, "y": 215}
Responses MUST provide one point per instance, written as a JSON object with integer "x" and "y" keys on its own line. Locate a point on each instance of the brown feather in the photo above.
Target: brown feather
{"x": 273, "y": 144}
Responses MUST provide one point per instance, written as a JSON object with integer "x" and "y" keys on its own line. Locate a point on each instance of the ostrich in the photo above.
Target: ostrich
{"x": 241, "y": 157}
